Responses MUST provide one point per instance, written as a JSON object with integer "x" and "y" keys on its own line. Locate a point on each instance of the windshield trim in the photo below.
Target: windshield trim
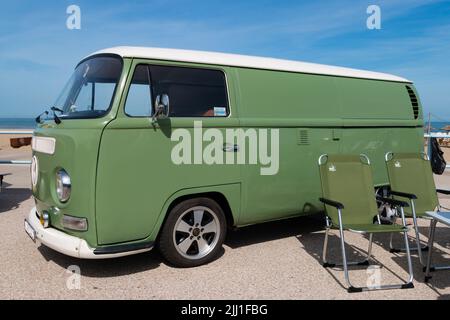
{"x": 105, "y": 112}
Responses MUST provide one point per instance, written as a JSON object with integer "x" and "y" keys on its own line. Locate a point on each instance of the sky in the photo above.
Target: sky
{"x": 38, "y": 52}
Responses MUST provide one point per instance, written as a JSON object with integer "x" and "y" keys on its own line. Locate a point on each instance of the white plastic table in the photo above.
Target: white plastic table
{"x": 444, "y": 218}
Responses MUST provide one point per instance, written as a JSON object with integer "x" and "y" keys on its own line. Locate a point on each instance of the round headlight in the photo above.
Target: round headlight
{"x": 34, "y": 171}
{"x": 63, "y": 185}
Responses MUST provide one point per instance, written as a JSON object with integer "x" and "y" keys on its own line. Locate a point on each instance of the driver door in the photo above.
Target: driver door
{"x": 136, "y": 174}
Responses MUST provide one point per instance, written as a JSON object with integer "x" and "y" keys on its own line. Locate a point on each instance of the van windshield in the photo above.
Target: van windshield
{"x": 90, "y": 89}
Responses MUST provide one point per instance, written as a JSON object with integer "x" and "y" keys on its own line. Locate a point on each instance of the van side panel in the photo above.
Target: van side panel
{"x": 376, "y": 142}
{"x": 378, "y": 117}
{"x": 315, "y": 115}
{"x": 290, "y": 103}
{"x": 370, "y": 99}
{"x": 277, "y": 95}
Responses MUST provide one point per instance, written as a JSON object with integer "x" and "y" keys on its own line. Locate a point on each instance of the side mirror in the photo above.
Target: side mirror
{"x": 161, "y": 107}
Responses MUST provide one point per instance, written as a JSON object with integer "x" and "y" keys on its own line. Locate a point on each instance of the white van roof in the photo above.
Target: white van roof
{"x": 235, "y": 60}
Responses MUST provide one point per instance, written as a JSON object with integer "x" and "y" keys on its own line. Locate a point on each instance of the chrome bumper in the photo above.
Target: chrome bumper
{"x": 67, "y": 244}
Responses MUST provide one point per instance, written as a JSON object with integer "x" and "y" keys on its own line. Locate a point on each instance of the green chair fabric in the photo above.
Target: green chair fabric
{"x": 411, "y": 173}
{"x": 346, "y": 179}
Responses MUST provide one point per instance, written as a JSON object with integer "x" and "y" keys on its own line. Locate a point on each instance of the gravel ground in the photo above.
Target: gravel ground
{"x": 277, "y": 260}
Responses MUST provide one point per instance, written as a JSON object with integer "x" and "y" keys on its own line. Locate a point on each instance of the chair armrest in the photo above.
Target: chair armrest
{"x": 394, "y": 202}
{"x": 447, "y": 192}
{"x": 403, "y": 194}
{"x": 335, "y": 204}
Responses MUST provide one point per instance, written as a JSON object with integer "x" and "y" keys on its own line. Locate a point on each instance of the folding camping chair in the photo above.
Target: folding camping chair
{"x": 347, "y": 181}
{"x": 411, "y": 177}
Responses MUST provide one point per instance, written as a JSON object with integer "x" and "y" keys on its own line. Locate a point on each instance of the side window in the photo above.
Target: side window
{"x": 192, "y": 92}
{"x": 139, "y": 98}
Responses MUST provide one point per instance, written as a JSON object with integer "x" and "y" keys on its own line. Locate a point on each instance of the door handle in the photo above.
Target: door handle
{"x": 230, "y": 147}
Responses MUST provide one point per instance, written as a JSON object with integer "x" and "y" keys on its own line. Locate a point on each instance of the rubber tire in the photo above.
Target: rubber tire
{"x": 166, "y": 245}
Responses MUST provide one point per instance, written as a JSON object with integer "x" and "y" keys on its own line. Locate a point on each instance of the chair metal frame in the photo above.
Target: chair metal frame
{"x": 428, "y": 268}
{"x": 411, "y": 197}
{"x": 345, "y": 264}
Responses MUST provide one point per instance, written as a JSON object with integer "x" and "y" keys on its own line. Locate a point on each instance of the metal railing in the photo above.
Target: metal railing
{"x": 16, "y": 162}
{"x": 16, "y": 132}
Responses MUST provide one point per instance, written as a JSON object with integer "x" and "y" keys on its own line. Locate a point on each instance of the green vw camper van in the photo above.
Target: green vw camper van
{"x": 150, "y": 147}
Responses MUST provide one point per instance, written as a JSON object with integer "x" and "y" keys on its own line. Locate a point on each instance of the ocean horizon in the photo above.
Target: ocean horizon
{"x": 17, "y": 123}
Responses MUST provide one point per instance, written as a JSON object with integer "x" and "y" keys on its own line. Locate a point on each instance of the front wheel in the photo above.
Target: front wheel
{"x": 193, "y": 233}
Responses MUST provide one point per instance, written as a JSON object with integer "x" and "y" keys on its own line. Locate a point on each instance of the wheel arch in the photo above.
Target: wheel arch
{"x": 226, "y": 196}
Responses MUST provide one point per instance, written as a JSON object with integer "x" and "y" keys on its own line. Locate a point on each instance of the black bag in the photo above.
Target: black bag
{"x": 438, "y": 163}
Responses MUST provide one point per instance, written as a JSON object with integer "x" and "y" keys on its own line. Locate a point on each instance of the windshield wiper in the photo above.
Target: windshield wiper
{"x": 38, "y": 118}
{"x": 55, "y": 117}
{"x": 56, "y": 109}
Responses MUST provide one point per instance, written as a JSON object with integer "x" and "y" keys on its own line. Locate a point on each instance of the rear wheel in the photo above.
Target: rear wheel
{"x": 193, "y": 233}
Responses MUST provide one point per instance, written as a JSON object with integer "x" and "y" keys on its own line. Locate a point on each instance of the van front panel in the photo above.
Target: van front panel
{"x": 77, "y": 140}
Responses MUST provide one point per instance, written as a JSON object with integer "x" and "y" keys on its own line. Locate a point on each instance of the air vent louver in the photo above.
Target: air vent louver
{"x": 303, "y": 137}
{"x": 414, "y": 102}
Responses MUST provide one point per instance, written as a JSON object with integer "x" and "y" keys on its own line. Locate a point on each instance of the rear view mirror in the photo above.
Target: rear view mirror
{"x": 161, "y": 107}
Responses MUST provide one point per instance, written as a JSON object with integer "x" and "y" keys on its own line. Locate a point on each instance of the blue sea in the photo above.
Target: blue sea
{"x": 17, "y": 123}
{"x": 437, "y": 126}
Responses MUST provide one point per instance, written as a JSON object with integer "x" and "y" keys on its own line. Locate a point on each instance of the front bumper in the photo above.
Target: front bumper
{"x": 67, "y": 244}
